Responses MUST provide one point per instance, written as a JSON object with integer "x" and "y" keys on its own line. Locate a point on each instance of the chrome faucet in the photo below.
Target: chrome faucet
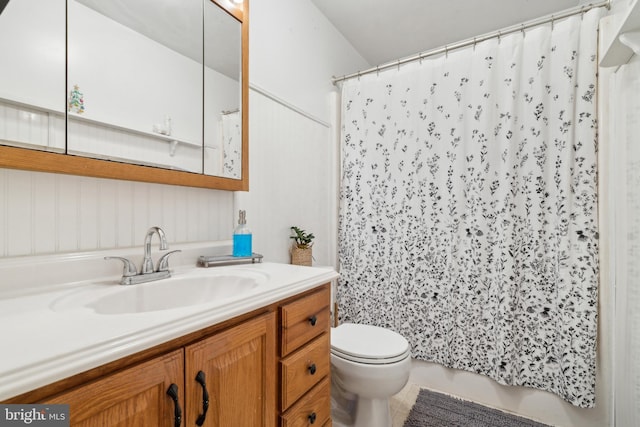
{"x": 147, "y": 262}
{"x": 130, "y": 274}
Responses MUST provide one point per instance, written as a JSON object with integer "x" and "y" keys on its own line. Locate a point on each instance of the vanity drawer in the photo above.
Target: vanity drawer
{"x": 303, "y": 369}
{"x": 316, "y": 406}
{"x": 304, "y": 319}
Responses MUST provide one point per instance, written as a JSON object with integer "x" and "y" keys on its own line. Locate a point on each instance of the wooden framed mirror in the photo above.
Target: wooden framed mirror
{"x": 173, "y": 129}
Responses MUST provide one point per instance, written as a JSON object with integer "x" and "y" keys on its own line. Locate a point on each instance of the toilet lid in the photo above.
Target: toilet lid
{"x": 368, "y": 344}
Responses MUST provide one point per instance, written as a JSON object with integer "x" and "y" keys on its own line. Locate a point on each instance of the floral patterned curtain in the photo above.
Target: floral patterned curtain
{"x": 468, "y": 207}
{"x": 232, "y": 145}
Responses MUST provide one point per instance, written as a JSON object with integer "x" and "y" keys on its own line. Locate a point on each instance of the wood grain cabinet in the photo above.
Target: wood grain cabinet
{"x": 235, "y": 369}
{"x": 223, "y": 380}
{"x": 135, "y": 396}
{"x": 305, "y": 397}
{"x": 265, "y": 368}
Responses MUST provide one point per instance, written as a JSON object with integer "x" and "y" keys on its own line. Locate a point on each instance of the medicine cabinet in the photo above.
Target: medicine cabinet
{"x": 142, "y": 90}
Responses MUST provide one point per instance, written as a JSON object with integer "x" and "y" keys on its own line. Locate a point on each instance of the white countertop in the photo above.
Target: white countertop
{"x": 42, "y": 343}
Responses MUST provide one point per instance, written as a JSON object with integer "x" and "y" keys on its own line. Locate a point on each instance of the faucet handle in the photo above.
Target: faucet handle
{"x": 163, "y": 263}
{"x": 129, "y": 268}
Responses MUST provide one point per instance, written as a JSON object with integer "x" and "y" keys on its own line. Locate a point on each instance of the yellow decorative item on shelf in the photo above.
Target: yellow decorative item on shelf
{"x": 301, "y": 252}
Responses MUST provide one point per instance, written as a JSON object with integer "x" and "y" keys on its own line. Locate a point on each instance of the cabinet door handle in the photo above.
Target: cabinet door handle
{"x": 312, "y": 368}
{"x": 312, "y": 418}
{"x": 172, "y": 391}
{"x": 312, "y": 320}
{"x": 200, "y": 378}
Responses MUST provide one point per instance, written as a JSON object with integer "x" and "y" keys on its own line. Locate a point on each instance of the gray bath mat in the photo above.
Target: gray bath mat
{"x": 439, "y": 410}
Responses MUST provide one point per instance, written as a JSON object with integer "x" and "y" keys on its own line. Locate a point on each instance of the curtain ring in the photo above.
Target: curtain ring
{"x": 446, "y": 51}
{"x": 582, "y": 13}
{"x": 552, "y": 22}
{"x": 499, "y": 37}
{"x": 522, "y": 29}
{"x": 359, "y": 75}
{"x": 398, "y": 65}
{"x": 474, "y": 44}
{"x": 377, "y": 71}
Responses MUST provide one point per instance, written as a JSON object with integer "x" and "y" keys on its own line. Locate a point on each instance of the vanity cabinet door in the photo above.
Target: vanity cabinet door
{"x": 238, "y": 368}
{"x": 135, "y": 396}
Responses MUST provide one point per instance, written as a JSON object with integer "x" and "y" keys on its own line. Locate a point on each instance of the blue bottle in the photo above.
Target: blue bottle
{"x": 242, "y": 237}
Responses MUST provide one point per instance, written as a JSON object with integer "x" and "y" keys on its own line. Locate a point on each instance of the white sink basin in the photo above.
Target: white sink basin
{"x": 166, "y": 294}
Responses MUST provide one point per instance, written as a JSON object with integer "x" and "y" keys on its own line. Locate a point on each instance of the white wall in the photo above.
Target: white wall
{"x": 32, "y": 53}
{"x": 293, "y": 167}
{"x": 293, "y": 185}
{"x": 623, "y": 201}
{"x": 295, "y": 51}
{"x": 32, "y": 64}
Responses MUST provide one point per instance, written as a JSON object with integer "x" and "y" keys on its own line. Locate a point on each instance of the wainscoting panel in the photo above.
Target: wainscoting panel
{"x": 292, "y": 179}
{"x": 44, "y": 213}
{"x": 24, "y": 126}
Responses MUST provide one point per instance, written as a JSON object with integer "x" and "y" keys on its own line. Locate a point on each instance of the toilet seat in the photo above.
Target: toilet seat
{"x": 368, "y": 344}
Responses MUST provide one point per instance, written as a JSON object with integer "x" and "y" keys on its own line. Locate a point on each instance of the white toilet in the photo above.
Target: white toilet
{"x": 369, "y": 364}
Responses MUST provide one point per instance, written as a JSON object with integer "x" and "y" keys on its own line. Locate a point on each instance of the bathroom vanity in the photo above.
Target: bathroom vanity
{"x": 259, "y": 358}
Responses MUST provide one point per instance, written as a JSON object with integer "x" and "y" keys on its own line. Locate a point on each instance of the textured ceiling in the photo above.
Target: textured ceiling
{"x": 385, "y": 30}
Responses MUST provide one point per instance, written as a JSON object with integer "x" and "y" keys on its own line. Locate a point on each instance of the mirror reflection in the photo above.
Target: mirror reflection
{"x": 223, "y": 93}
{"x": 32, "y": 74}
{"x": 135, "y": 81}
{"x": 146, "y": 82}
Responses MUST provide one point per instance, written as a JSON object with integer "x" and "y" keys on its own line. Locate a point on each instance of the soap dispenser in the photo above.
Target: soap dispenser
{"x": 242, "y": 237}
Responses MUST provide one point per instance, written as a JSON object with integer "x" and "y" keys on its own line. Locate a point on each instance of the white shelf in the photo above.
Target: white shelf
{"x": 618, "y": 53}
{"x": 158, "y": 136}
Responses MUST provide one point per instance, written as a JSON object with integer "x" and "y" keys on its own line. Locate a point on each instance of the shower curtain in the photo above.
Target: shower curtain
{"x": 231, "y": 145}
{"x": 468, "y": 207}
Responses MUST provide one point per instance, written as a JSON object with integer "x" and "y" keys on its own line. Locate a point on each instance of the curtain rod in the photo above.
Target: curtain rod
{"x": 468, "y": 42}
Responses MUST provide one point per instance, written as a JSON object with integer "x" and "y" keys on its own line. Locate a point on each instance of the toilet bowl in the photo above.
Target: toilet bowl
{"x": 369, "y": 364}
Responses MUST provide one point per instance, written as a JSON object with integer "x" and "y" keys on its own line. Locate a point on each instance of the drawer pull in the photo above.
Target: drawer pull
{"x": 313, "y": 320}
{"x": 200, "y": 378}
{"x": 172, "y": 391}
{"x": 312, "y": 418}
{"x": 312, "y": 368}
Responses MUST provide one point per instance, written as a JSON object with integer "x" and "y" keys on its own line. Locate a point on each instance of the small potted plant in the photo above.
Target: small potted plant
{"x": 301, "y": 253}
